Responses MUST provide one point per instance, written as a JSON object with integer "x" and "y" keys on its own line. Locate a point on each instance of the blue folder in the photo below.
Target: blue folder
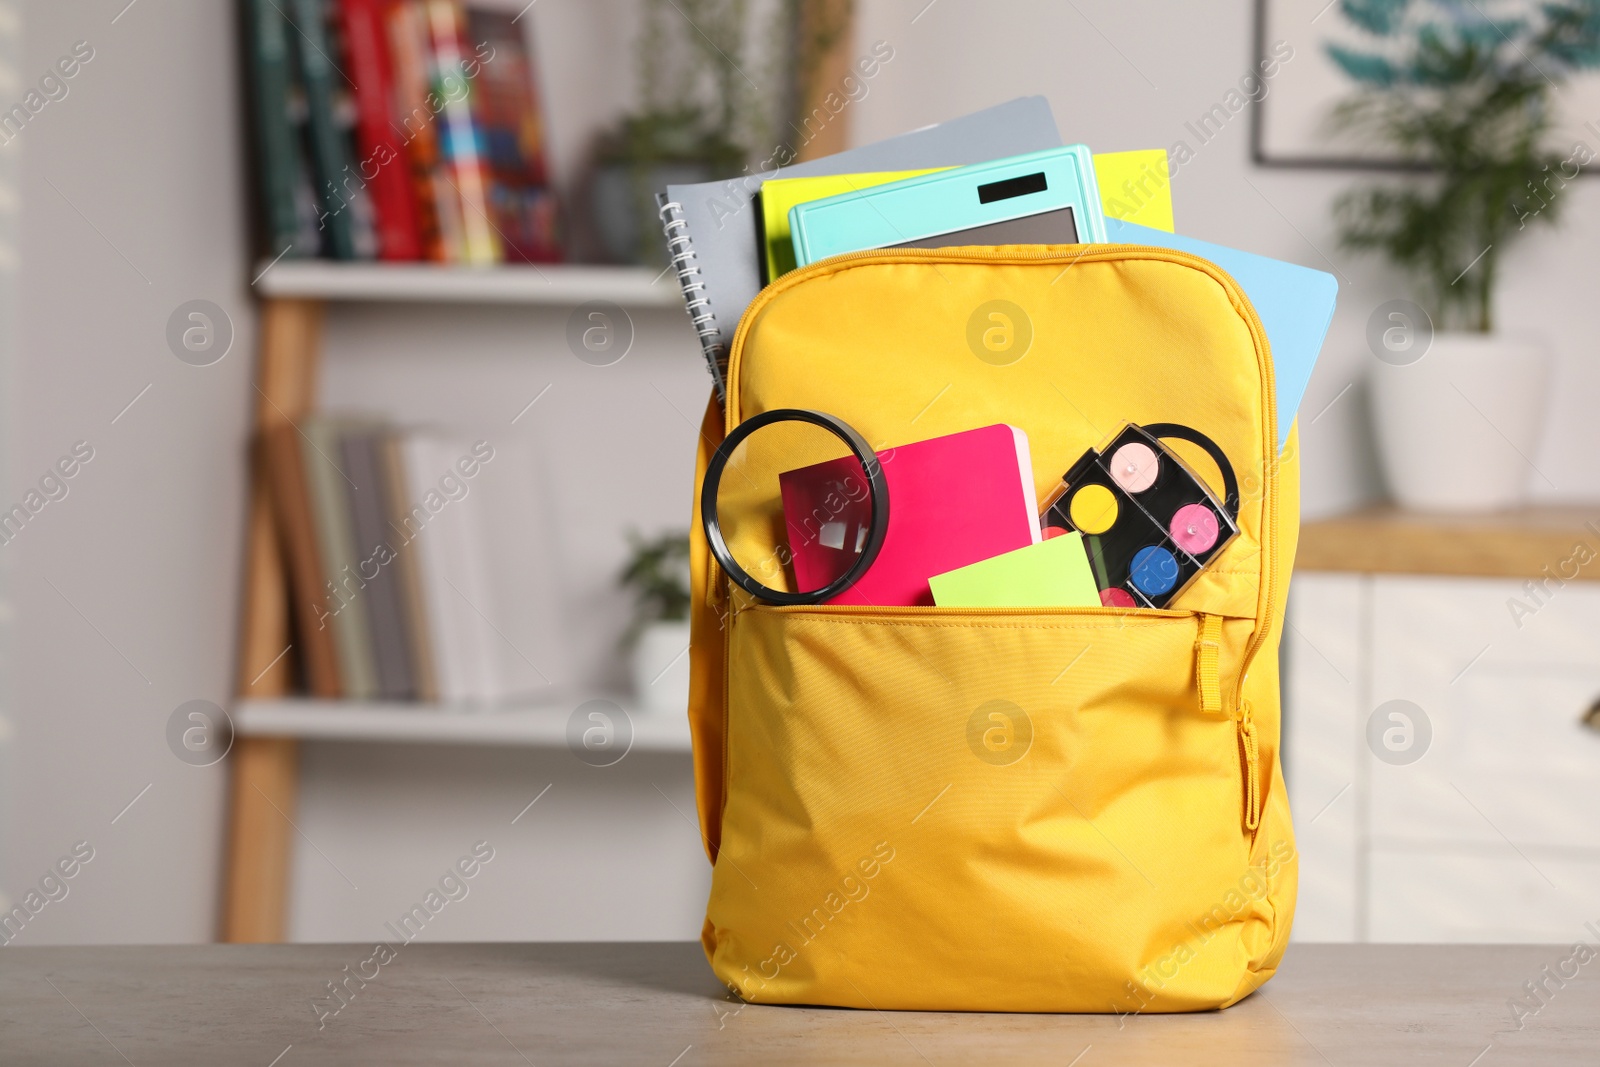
{"x": 1295, "y": 304}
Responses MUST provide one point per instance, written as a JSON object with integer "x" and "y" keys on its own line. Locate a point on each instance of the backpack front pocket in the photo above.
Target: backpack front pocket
{"x": 946, "y": 809}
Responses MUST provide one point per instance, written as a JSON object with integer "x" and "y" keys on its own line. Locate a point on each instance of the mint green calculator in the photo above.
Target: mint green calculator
{"x": 1047, "y": 197}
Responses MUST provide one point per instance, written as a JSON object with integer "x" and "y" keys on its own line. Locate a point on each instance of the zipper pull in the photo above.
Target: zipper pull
{"x": 1252, "y": 761}
{"x": 1207, "y": 672}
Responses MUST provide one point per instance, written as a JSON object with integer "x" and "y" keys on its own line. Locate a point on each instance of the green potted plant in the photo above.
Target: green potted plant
{"x": 657, "y": 573}
{"x": 699, "y": 118}
{"x": 1462, "y": 93}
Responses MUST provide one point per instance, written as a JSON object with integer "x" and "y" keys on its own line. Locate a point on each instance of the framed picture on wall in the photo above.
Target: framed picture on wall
{"x": 1292, "y": 124}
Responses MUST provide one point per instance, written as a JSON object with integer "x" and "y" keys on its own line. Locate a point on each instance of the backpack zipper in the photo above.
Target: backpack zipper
{"x": 1252, "y": 764}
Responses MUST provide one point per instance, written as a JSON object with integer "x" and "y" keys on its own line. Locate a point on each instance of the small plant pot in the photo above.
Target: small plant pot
{"x": 1459, "y": 428}
{"x": 660, "y": 668}
{"x": 624, "y": 206}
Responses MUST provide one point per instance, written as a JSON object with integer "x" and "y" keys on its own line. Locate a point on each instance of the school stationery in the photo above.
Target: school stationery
{"x": 1051, "y": 574}
{"x": 837, "y": 510}
{"x": 1045, "y": 228}
{"x": 1133, "y": 186}
{"x": 1295, "y": 304}
{"x": 778, "y": 195}
{"x": 1059, "y": 180}
{"x": 711, "y": 227}
{"x": 953, "y": 500}
{"x": 1149, "y": 523}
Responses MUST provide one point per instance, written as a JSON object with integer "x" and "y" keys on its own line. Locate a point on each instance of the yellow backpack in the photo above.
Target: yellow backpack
{"x": 1056, "y": 810}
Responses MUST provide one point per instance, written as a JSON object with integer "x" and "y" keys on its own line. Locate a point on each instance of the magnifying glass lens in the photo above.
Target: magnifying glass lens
{"x": 795, "y": 507}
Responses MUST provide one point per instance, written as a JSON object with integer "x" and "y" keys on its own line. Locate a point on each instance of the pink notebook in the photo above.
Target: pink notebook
{"x": 953, "y": 500}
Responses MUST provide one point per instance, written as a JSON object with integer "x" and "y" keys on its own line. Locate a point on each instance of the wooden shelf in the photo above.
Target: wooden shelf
{"x": 534, "y": 726}
{"x": 1515, "y": 544}
{"x": 557, "y": 284}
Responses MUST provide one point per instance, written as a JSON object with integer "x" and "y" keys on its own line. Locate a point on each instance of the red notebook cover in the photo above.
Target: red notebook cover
{"x": 380, "y": 160}
{"x": 953, "y": 501}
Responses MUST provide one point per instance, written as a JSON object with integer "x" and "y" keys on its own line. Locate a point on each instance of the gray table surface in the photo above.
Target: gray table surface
{"x": 657, "y": 1004}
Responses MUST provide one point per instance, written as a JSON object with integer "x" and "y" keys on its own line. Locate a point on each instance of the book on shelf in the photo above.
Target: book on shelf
{"x": 344, "y": 606}
{"x": 438, "y": 209}
{"x": 380, "y": 160}
{"x": 401, "y": 130}
{"x": 386, "y": 621}
{"x": 460, "y": 150}
{"x": 521, "y": 202}
{"x": 297, "y": 536}
{"x": 283, "y": 182}
{"x": 408, "y": 573}
{"x": 345, "y": 210}
{"x": 417, "y": 563}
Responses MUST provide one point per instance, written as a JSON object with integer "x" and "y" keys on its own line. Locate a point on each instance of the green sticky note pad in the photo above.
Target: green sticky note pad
{"x": 1051, "y": 574}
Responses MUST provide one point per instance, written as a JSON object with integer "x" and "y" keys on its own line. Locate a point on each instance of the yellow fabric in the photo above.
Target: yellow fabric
{"x": 1003, "y": 809}
{"x": 1208, "y": 677}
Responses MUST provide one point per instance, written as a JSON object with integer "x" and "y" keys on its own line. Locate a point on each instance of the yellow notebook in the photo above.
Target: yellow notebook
{"x": 781, "y": 194}
{"x": 1133, "y": 187}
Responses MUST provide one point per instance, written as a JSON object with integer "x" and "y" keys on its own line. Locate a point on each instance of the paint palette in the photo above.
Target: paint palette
{"x": 1148, "y": 522}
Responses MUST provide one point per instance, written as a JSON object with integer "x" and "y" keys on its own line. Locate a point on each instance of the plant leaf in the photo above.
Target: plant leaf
{"x": 1378, "y": 17}
{"x": 1365, "y": 67}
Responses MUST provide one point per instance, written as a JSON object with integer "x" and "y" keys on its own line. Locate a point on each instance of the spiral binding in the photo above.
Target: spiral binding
{"x": 681, "y": 260}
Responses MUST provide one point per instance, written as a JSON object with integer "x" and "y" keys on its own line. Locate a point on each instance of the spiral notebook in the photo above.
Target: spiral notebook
{"x": 712, "y": 228}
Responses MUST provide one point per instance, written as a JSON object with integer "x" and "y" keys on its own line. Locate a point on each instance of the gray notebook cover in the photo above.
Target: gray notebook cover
{"x": 720, "y": 224}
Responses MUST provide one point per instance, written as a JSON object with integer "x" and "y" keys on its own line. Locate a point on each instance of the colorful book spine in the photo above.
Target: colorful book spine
{"x": 380, "y": 162}
{"x": 438, "y": 209}
{"x": 506, "y": 104}
{"x": 459, "y": 137}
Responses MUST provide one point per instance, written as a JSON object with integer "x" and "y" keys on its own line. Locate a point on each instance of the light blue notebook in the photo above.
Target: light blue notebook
{"x": 1295, "y": 304}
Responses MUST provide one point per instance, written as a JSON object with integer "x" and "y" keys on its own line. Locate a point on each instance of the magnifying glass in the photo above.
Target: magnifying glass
{"x": 795, "y": 506}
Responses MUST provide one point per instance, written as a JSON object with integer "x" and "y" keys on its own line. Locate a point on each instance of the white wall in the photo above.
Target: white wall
{"x": 125, "y": 592}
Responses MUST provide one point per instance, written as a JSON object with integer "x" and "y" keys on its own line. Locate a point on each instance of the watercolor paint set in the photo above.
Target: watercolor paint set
{"x": 1149, "y": 523}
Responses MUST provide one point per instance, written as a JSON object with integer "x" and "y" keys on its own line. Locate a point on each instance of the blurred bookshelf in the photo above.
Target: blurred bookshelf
{"x": 398, "y": 157}
{"x": 560, "y": 285}
{"x": 528, "y": 725}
